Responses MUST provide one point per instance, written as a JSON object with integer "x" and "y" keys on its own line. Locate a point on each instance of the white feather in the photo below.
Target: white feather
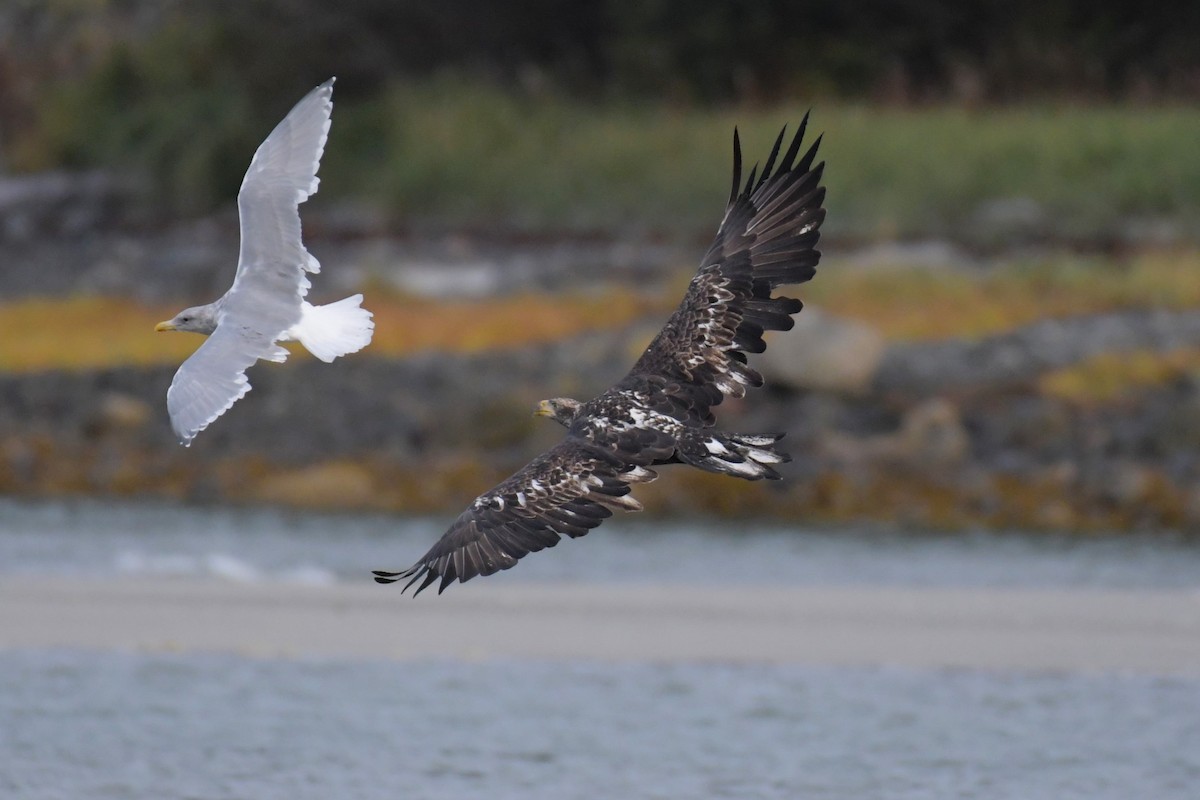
{"x": 333, "y": 330}
{"x": 747, "y": 469}
{"x": 639, "y": 475}
{"x": 764, "y": 456}
{"x": 715, "y": 447}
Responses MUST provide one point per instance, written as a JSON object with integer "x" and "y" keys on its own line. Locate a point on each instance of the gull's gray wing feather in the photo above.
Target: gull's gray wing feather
{"x": 270, "y": 284}
{"x": 214, "y": 378}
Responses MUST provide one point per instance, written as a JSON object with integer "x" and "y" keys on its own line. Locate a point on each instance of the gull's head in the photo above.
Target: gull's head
{"x": 562, "y": 410}
{"x": 198, "y": 319}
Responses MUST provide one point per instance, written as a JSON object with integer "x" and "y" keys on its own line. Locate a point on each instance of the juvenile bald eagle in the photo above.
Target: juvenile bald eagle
{"x": 661, "y": 412}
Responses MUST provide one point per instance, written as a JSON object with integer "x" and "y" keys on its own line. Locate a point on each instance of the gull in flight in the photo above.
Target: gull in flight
{"x": 266, "y": 305}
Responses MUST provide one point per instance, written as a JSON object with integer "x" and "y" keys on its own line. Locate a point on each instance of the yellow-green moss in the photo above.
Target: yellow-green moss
{"x": 915, "y": 302}
{"x": 1048, "y": 499}
{"x": 95, "y": 332}
{"x": 1109, "y": 376}
{"x": 909, "y": 302}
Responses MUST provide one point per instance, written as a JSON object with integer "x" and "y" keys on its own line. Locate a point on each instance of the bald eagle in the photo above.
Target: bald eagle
{"x": 661, "y": 412}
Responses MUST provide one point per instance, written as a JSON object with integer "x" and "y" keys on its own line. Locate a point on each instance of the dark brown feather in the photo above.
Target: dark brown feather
{"x": 767, "y": 239}
{"x": 661, "y": 411}
{"x": 566, "y": 491}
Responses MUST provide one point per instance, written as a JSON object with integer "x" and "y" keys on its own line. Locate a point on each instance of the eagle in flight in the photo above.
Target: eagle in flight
{"x": 661, "y": 412}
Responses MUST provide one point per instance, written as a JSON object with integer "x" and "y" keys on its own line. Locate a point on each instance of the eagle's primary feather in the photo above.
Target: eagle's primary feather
{"x": 661, "y": 411}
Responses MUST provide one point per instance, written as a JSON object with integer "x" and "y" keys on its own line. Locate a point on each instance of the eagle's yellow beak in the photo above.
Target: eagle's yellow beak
{"x": 543, "y": 409}
{"x": 165, "y": 326}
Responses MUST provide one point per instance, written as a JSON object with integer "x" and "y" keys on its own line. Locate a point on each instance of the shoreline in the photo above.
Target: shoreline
{"x": 1150, "y": 632}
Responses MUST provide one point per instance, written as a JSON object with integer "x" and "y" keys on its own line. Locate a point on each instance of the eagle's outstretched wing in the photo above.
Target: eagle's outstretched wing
{"x": 766, "y": 239}
{"x": 566, "y": 491}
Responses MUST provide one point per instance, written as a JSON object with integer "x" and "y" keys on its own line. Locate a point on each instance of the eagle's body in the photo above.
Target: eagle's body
{"x": 661, "y": 412}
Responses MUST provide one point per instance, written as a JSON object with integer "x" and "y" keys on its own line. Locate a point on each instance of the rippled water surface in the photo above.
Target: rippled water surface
{"x": 154, "y": 727}
{"x": 157, "y": 726}
{"x": 96, "y": 539}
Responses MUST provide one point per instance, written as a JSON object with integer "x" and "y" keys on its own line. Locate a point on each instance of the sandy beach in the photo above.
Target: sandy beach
{"x": 1092, "y": 630}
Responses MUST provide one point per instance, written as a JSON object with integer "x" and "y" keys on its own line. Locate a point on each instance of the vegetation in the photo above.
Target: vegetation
{"x": 994, "y": 125}
{"x": 468, "y": 154}
{"x": 452, "y": 153}
{"x": 45, "y": 334}
{"x": 702, "y": 51}
{"x": 618, "y": 115}
{"x": 51, "y": 334}
{"x": 1109, "y": 377}
{"x": 898, "y": 300}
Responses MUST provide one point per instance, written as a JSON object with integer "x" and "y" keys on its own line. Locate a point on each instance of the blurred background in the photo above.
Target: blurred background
{"x": 1005, "y": 329}
{"x": 978, "y": 578}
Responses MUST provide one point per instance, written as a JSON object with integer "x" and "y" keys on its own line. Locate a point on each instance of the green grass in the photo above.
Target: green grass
{"x": 468, "y": 155}
{"x": 1090, "y": 169}
{"x": 451, "y": 152}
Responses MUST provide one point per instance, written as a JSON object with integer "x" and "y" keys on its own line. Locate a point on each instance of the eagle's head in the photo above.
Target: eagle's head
{"x": 562, "y": 410}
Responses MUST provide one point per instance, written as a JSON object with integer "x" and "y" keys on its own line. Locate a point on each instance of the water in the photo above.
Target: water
{"x": 157, "y": 726}
{"x": 128, "y": 726}
{"x": 94, "y": 539}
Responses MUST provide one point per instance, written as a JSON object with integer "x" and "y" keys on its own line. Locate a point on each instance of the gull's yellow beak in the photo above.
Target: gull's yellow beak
{"x": 165, "y": 326}
{"x": 543, "y": 409}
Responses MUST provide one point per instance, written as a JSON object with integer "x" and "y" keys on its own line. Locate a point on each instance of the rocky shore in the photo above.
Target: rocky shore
{"x": 949, "y": 433}
{"x": 945, "y": 434}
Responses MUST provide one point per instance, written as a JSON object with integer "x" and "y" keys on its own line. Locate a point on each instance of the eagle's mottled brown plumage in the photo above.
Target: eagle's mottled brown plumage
{"x": 661, "y": 411}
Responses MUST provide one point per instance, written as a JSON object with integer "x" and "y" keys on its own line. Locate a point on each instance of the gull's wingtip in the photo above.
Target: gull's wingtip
{"x": 185, "y": 436}
{"x": 326, "y": 88}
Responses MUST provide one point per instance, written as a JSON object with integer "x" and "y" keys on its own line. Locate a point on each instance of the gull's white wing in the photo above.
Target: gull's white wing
{"x": 264, "y": 301}
{"x": 270, "y": 282}
{"x": 214, "y": 378}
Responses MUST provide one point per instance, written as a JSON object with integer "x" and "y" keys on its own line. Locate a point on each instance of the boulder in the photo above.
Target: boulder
{"x": 57, "y": 204}
{"x": 931, "y": 435}
{"x": 823, "y": 352}
{"x": 1019, "y": 356}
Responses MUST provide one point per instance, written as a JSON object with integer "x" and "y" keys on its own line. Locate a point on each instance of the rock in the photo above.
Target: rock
{"x": 1019, "y": 356}
{"x": 1191, "y": 506}
{"x": 823, "y": 352}
{"x": 427, "y": 431}
{"x": 901, "y": 255}
{"x": 1009, "y": 220}
{"x": 931, "y": 435}
{"x": 57, "y": 204}
{"x": 117, "y": 411}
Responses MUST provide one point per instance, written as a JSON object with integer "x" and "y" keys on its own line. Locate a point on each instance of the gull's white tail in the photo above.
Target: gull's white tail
{"x": 334, "y": 329}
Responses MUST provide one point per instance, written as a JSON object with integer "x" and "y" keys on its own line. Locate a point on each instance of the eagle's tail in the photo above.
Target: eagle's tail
{"x": 744, "y": 455}
{"x": 335, "y": 329}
